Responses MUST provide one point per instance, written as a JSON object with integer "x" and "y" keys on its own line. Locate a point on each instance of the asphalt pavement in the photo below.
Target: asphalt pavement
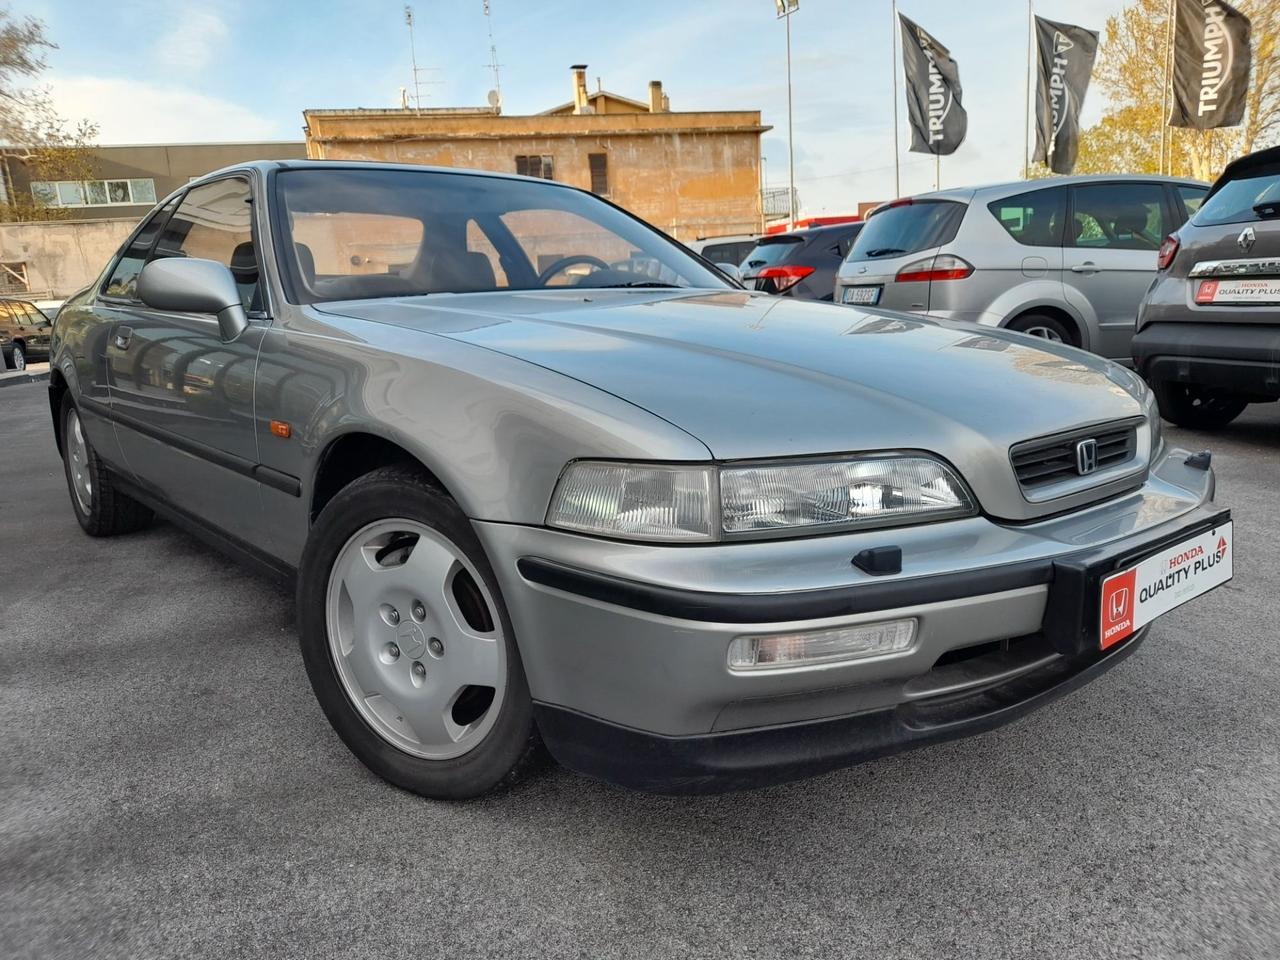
{"x": 169, "y": 788}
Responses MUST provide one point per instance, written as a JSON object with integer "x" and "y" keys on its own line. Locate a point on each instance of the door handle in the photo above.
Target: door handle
{"x": 1087, "y": 267}
{"x": 123, "y": 336}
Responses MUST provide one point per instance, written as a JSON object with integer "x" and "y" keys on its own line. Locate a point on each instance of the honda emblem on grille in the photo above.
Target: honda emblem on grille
{"x": 1246, "y": 239}
{"x": 1086, "y": 456}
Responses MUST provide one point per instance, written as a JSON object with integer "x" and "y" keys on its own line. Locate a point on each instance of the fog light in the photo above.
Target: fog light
{"x": 782, "y": 650}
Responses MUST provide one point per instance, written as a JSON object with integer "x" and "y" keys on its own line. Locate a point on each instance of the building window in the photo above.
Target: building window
{"x": 534, "y": 166}
{"x": 93, "y": 193}
{"x": 599, "y": 163}
{"x": 13, "y": 278}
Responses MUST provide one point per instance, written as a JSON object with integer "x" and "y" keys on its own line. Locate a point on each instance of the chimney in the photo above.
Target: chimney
{"x": 657, "y": 102}
{"x": 579, "y": 87}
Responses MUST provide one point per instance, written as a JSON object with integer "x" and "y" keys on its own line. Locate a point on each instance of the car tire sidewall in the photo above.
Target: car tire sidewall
{"x": 1021, "y": 324}
{"x": 498, "y": 757}
{"x": 18, "y": 358}
{"x": 1177, "y": 405}
{"x": 86, "y": 520}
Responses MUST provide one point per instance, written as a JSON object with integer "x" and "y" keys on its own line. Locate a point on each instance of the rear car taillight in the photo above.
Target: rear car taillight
{"x": 941, "y": 267}
{"x": 1168, "y": 250}
{"x": 784, "y": 277}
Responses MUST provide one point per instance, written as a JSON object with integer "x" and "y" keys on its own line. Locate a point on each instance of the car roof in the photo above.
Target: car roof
{"x": 1009, "y": 187}
{"x": 269, "y": 165}
{"x": 808, "y": 233}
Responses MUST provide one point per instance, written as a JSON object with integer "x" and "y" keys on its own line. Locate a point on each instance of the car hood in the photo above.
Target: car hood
{"x": 754, "y": 376}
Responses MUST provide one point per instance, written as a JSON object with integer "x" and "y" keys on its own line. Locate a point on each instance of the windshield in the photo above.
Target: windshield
{"x": 360, "y": 233}
{"x": 908, "y": 228}
{"x": 772, "y": 250}
{"x": 1240, "y": 201}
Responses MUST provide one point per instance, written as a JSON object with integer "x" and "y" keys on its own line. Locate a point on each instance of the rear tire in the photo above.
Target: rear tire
{"x": 17, "y": 359}
{"x": 101, "y": 509}
{"x": 1045, "y": 327}
{"x": 1196, "y": 407}
{"x": 414, "y": 705}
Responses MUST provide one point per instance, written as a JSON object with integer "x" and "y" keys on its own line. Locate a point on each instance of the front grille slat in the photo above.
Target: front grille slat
{"x": 1041, "y": 463}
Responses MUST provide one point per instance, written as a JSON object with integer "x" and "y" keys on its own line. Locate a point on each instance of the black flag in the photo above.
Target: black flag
{"x": 938, "y": 121}
{"x": 1066, "y": 55}
{"x": 1211, "y": 60}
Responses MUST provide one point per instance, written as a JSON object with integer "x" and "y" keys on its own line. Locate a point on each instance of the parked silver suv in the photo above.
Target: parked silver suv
{"x": 1068, "y": 258}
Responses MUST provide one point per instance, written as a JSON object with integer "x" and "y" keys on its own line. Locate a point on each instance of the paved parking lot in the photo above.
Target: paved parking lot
{"x": 168, "y": 787}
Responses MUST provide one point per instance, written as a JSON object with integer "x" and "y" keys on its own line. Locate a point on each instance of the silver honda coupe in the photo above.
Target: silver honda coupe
{"x": 542, "y": 476}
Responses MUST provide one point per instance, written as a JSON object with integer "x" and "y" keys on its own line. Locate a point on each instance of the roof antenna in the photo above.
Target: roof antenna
{"x": 495, "y": 95}
{"x": 417, "y": 71}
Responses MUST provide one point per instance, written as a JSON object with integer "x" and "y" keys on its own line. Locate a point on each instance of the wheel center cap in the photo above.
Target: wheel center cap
{"x": 412, "y": 639}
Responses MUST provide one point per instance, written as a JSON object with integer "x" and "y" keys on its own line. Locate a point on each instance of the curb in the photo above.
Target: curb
{"x": 9, "y": 380}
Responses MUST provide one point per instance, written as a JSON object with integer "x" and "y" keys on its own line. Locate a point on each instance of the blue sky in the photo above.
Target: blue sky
{"x": 152, "y": 71}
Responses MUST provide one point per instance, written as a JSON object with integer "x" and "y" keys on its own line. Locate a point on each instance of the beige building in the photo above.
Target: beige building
{"x": 690, "y": 173}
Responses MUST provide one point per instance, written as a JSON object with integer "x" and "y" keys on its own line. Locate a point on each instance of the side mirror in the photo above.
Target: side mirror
{"x": 731, "y": 271}
{"x": 190, "y": 285}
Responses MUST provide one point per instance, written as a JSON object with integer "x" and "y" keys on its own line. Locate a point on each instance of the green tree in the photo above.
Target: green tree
{"x": 31, "y": 131}
{"x": 1129, "y": 72}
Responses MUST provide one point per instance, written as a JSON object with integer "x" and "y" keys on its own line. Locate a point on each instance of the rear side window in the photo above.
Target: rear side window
{"x": 731, "y": 252}
{"x": 1034, "y": 218}
{"x": 1118, "y": 216}
{"x": 772, "y": 250}
{"x": 908, "y": 228}
{"x": 1242, "y": 201}
{"x": 1192, "y": 198}
{"x": 124, "y": 278}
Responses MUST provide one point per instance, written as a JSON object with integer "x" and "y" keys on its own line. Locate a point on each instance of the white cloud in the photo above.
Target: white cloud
{"x": 129, "y": 111}
{"x": 193, "y": 42}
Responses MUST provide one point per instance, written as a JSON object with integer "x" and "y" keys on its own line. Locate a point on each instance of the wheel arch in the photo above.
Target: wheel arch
{"x": 57, "y": 390}
{"x": 353, "y": 454}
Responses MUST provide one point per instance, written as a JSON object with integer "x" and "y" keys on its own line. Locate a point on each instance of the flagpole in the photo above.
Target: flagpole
{"x": 897, "y": 169}
{"x": 1026, "y": 103}
{"x": 1164, "y": 89}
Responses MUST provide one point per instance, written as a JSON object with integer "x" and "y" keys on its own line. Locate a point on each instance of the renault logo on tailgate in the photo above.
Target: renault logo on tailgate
{"x": 1246, "y": 239}
{"x": 1086, "y": 456}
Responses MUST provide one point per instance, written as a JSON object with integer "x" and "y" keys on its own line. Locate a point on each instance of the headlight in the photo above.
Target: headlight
{"x": 707, "y": 502}
{"x": 1152, "y": 410}
{"x": 635, "y": 501}
{"x": 870, "y": 491}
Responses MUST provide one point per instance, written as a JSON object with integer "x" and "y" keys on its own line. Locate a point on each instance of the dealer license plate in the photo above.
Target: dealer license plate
{"x": 1265, "y": 290}
{"x": 867, "y": 296}
{"x": 1133, "y": 597}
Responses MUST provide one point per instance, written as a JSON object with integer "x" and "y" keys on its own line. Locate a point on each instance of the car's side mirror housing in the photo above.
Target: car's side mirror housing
{"x": 731, "y": 271}
{"x": 191, "y": 285}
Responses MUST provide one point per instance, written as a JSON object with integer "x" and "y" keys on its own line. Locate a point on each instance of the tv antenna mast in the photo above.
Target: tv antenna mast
{"x": 495, "y": 95}
{"x": 417, "y": 71}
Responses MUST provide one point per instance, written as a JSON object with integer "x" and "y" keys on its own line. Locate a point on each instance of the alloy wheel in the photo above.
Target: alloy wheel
{"x": 1044, "y": 332}
{"x": 19, "y": 358}
{"x": 415, "y": 639}
{"x": 78, "y": 457}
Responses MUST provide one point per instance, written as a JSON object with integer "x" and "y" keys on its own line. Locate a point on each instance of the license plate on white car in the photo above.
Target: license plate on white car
{"x": 1265, "y": 290}
{"x": 866, "y": 296}
{"x": 1133, "y": 597}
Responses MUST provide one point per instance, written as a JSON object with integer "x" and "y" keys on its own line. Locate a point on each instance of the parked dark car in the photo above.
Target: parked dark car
{"x": 1208, "y": 336}
{"x": 24, "y": 333}
{"x": 802, "y": 263}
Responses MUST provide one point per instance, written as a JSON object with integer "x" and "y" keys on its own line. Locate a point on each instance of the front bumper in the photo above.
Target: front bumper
{"x": 625, "y": 644}
{"x": 1241, "y": 357}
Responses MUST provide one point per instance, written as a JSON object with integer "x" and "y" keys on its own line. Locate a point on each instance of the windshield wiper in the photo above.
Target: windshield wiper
{"x": 636, "y": 283}
{"x": 884, "y": 251}
{"x": 1268, "y": 208}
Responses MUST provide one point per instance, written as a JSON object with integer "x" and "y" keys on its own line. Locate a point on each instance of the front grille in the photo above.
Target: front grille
{"x": 1049, "y": 460}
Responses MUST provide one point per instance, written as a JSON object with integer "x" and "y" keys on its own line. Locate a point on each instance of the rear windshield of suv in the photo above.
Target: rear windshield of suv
{"x": 771, "y": 250}
{"x": 1242, "y": 201}
{"x": 908, "y": 228}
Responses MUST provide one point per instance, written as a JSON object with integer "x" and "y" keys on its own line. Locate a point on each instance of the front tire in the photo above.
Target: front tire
{"x": 1196, "y": 407}
{"x": 407, "y": 642}
{"x": 101, "y": 509}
